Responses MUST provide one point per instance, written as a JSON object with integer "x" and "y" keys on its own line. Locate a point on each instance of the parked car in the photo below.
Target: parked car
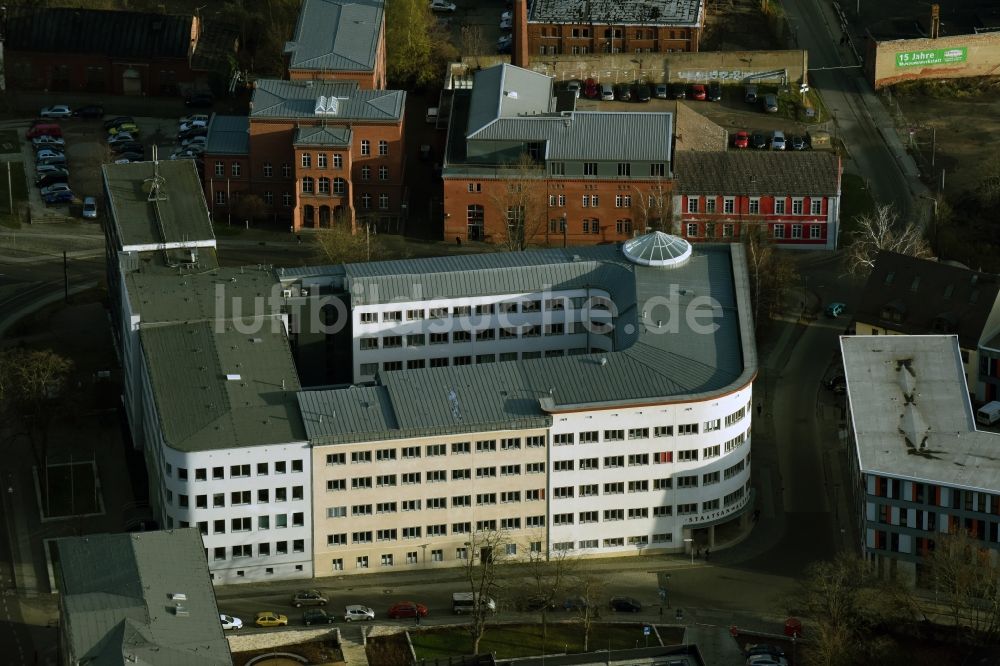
{"x": 357, "y": 612}
{"x": 764, "y": 648}
{"x": 504, "y": 43}
{"x": 196, "y": 122}
{"x": 798, "y": 142}
{"x": 441, "y": 6}
{"x": 536, "y": 602}
{"x": 199, "y": 100}
{"x": 44, "y": 169}
{"x": 45, "y": 140}
{"x": 90, "y": 212}
{"x": 51, "y": 179}
{"x": 758, "y": 140}
{"x": 623, "y": 93}
{"x": 590, "y": 89}
{"x": 56, "y": 111}
{"x": 750, "y": 94}
{"x": 317, "y": 616}
{"x": 121, "y": 137}
{"x": 575, "y": 604}
{"x": 43, "y": 129}
{"x": 117, "y": 120}
{"x": 625, "y": 605}
{"x": 270, "y": 619}
{"x": 194, "y": 140}
{"x": 835, "y": 309}
{"x": 506, "y": 23}
{"x": 190, "y": 134}
{"x": 778, "y": 140}
{"x": 128, "y": 147}
{"x": 677, "y": 91}
{"x": 766, "y": 660}
{"x": 122, "y": 128}
{"x": 308, "y": 598}
{"x": 714, "y": 91}
{"x": 741, "y": 140}
{"x": 771, "y": 103}
{"x": 90, "y": 111}
{"x": 661, "y": 91}
{"x": 41, "y": 156}
{"x": 55, "y": 187}
{"x": 607, "y": 92}
{"x": 697, "y": 91}
{"x": 506, "y": 14}
{"x": 64, "y": 196}
{"x": 574, "y": 86}
{"x": 228, "y": 621}
{"x": 643, "y": 93}
{"x": 57, "y": 159}
{"x": 406, "y": 609}
{"x": 125, "y": 158}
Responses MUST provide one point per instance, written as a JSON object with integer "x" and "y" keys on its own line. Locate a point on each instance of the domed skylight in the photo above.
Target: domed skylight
{"x": 657, "y": 249}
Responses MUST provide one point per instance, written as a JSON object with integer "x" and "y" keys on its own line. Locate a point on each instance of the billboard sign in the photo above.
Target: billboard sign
{"x": 927, "y": 57}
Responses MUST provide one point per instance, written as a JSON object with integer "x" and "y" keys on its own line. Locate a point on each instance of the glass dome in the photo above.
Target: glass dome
{"x": 657, "y": 249}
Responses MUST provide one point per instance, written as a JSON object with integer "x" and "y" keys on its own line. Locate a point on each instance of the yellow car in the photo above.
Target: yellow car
{"x": 132, "y": 128}
{"x": 270, "y": 619}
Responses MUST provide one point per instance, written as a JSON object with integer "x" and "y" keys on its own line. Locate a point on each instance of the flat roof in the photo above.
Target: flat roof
{"x": 178, "y": 214}
{"x": 657, "y": 357}
{"x": 911, "y": 413}
{"x": 618, "y": 12}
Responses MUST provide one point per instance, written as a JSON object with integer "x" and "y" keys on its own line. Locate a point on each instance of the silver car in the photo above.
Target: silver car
{"x": 358, "y": 612}
{"x": 778, "y": 140}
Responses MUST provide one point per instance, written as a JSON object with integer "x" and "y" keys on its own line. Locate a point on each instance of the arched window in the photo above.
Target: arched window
{"x": 324, "y": 185}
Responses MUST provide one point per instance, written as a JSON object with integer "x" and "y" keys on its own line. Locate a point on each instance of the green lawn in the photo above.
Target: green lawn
{"x": 855, "y": 200}
{"x": 525, "y": 640}
{"x": 10, "y": 143}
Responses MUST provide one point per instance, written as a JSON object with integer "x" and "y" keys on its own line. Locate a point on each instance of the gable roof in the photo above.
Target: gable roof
{"x": 757, "y": 172}
{"x": 277, "y": 98}
{"x": 336, "y": 35}
{"x": 916, "y": 296}
{"x": 506, "y": 91}
{"x": 323, "y": 136}
{"x": 228, "y": 135}
{"x": 118, "y": 597}
{"x": 118, "y": 34}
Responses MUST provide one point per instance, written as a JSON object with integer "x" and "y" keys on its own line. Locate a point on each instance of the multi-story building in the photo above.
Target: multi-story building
{"x": 594, "y": 399}
{"x": 209, "y": 378}
{"x": 920, "y": 467}
{"x": 339, "y": 40}
{"x": 567, "y": 27}
{"x": 908, "y": 295}
{"x": 519, "y": 162}
{"x": 794, "y": 196}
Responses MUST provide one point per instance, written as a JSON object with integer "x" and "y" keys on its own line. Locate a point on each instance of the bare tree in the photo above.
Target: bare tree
{"x": 487, "y": 555}
{"x": 337, "y": 245}
{"x": 772, "y": 273}
{"x": 655, "y": 206}
{"x": 961, "y": 571}
{"x": 547, "y": 576}
{"x": 987, "y": 192}
{"x": 882, "y": 230}
{"x": 250, "y": 207}
{"x": 519, "y": 202}
{"x": 472, "y": 41}
{"x": 587, "y": 590}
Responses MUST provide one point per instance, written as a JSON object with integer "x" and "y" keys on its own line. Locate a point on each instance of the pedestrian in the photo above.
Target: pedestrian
{"x": 760, "y": 408}
{"x": 708, "y": 552}
{"x": 697, "y": 553}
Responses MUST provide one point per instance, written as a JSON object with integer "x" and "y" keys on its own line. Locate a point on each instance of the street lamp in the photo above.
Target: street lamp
{"x": 690, "y": 543}
{"x": 564, "y": 229}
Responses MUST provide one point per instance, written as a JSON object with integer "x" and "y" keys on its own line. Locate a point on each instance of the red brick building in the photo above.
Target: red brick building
{"x": 558, "y": 175}
{"x": 115, "y": 52}
{"x": 794, "y": 194}
{"x": 571, "y": 27}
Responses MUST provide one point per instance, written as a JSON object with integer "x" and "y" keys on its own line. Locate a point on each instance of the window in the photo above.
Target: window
{"x": 366, "y": 173}
{"x": 815, "y": 232}
{"x": 338, "y": 161}
{"x": 307, "y": 184}
{"x": 361, "y": 482}
{"x": 778, "y": 231}
{"x": 710, "y": 478}
{"x": 636, "y": 459}
{"x": 690, "y": 481}
{"x": 687, "y": 429}
{"x": 383, "y": 148}
{"x": 779, "y": 206}
{"x": 614, "y": 435}
{"x": 614, "y": 488}
{"x": 268, "y": 170}
{"x": 339, "y": 186}
{"x": 383, "y": 173}
{"x": 385, "y": 480}
{"x": 366, "y": 147}
{"x": 383, "y": 201}
{"x": 236, "y": 169}
{"x": 366, "y": 201}
{"x": 534, "y": 468}
{"x": 692, "y": 204}
{"x": 624, "y": 169}
{"x": 239, "y": 471}
{"x": 411, "y": 478}
{"x": 220, "y": 168}
{"x": 797, "y": 204}
{"x": 729, "y": 205}
{"x": 687, "y": 455}
{"x": 797, "y": 231}
{"x": 614, "y": 514}
{"x": 815, "y": 206}
{"x": 710, "y": 452}
{"x": 239, "y": 497}
{"x": 754, "y": 208}
{"x": 562, "y": 438}
{"x": 385, "y": 454}
{"x": 286, "y": 170}
{"x": 323, "y": 185}
{"x": 663, "y": 431}
{"x": 485, "y": 472}
{"x": 692, "y": 230}
{"x": 220, "y": 198}
{"x": 361, "y": 456}
{"x": 623, "y": 201}
{"x": 657, "y": 169}
{"x": 589, "y": 169}
{"x": 336, "y": 484}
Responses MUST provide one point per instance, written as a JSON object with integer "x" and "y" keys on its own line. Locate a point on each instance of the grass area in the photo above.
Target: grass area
{"x": 525, "y": 640}
{"x": 72, "y": 490}
{"x": 18, "y": 189}
{"x": 855, "y": 200}
{"x": 10, "y": 143}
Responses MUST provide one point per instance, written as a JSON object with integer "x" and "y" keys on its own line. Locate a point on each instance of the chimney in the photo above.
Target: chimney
{"x": 519, "y": 47}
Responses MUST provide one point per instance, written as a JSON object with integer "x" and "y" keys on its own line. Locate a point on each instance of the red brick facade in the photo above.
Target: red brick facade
{"x": 792, "y": 221}
{"x": 582, "y": 39}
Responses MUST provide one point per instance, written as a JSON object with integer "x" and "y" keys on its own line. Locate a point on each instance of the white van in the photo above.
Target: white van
{"x": 989, "y": 413}
{"x": 465, "y": 602}
{"x": 432, "y": 115}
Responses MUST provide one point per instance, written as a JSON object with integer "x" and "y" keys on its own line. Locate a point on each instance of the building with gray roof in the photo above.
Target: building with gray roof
{"x": 297, "y": 99}
{"x": 228, "y": 135}
{"x": 921, "y": 467}
{"x": 138, "y": 598}
{"x": 339, "y": 39}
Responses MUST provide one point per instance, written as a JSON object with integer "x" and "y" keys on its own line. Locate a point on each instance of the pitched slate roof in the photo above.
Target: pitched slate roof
{"x": 118, "y": 34}
{"x": 336, "y": 35}
{"x": 228, "y": 135}
{"x": 617, "y": 12}
{"x": 755, "y": 173}
{"x": 506, "y": 91}
{"x": 276, "y": 98}
{"x": 117, "y": 593}
{"x": 917, "y": 296}
{"x": 323, "y": 136}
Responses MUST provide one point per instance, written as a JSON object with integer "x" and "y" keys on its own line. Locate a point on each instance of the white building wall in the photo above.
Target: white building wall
{"x": 645, "y": 528}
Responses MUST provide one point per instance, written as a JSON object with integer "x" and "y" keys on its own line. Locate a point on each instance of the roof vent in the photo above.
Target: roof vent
{"x": 178, "y": 596}
{"x": 233, "y": 378}
{"x": 510, "y": 93}
{"x": 604, "y": 361}
{"x": 181, "y": 611}
{"x": 308, "y": 83}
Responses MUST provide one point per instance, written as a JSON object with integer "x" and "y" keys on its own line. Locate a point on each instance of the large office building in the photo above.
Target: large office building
{"x": 920, "y": 466}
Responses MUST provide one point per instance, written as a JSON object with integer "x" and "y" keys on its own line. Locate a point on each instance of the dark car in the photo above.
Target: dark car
{"x": 643, "y": 93}
{"x": 798, "y": 142}
{"x": 575, "y": 604}
{"x": 406, "y": 609}
{"x": 308, "y": 598}
{"x": 758, "y": 140}
{"x": 317, "y": 616}
{"x": 128, "y": 147}
{"x": 764, "y": 648}
{"x": 58, "y": 197}
{"x": 56, "y": 160}
{"x": 714, "y": 91}
{"x": 191, "y": 133}
{"x": 677, "y": 91}
{"x": 92, "y": 111}
{"x": 51, "y": 179}
{"x": 536, "y": 602}
{"x": 837, "y": 384}
{"x": 199, "y": 100}
{"x": 623, "y": 93}
{"x": 118, "y": 120}
{"x": 131, "y": 157}
{"x": 590, "y": 89}
{"x": 697, "y": 91}
{"x": 625, "y": 605}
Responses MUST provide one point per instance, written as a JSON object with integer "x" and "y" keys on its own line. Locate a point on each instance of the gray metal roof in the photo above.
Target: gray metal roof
{"x": 618, "y": 12}
{"x": 216, "y": 387}
{"x": 116, "y": 592}
{"x": 911, "y": 413}
{"x": 228, "y": 135}
{"x": 658, "y": 357}
{"x": 334, "y": 35}
{"x": 323, "y": 136}
{"x": 506, "y": 91}
{"x": 178, "y": 214}
{"x": 757, "y": 172}
{"x": 275, "y": 98}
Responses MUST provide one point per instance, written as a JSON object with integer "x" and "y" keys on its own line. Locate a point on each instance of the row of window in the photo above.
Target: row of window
{"x": 694, "y": 230}
{"x": 367, "y": 343}
{"x": 262, "y": 550}
{"x": 369, "y": 369}
{"x": 364, "y": 200}
{"x": 433, "y": 450}
{"x": 436, "y": 555}
{"x": 338, "y": 158}
{"x": 589, "y": 226}
{"x": 753, "y": 205}
{"x": 237, "y": 497}
{"x": 439, "y": 530}
{"x": 531, "y": 306}
{"x": 240, "y": 471}
{"x": 609, "y": 33}
{"x": 434, "y": 476}
{"x": 245, "y": 523}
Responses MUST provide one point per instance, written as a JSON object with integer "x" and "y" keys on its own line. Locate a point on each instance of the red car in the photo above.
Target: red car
{"x": 741, "y": 140}
{"x": 697, "y": 92}
{"x": 406, "y": 609}
{"x": 590, "y": 89}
